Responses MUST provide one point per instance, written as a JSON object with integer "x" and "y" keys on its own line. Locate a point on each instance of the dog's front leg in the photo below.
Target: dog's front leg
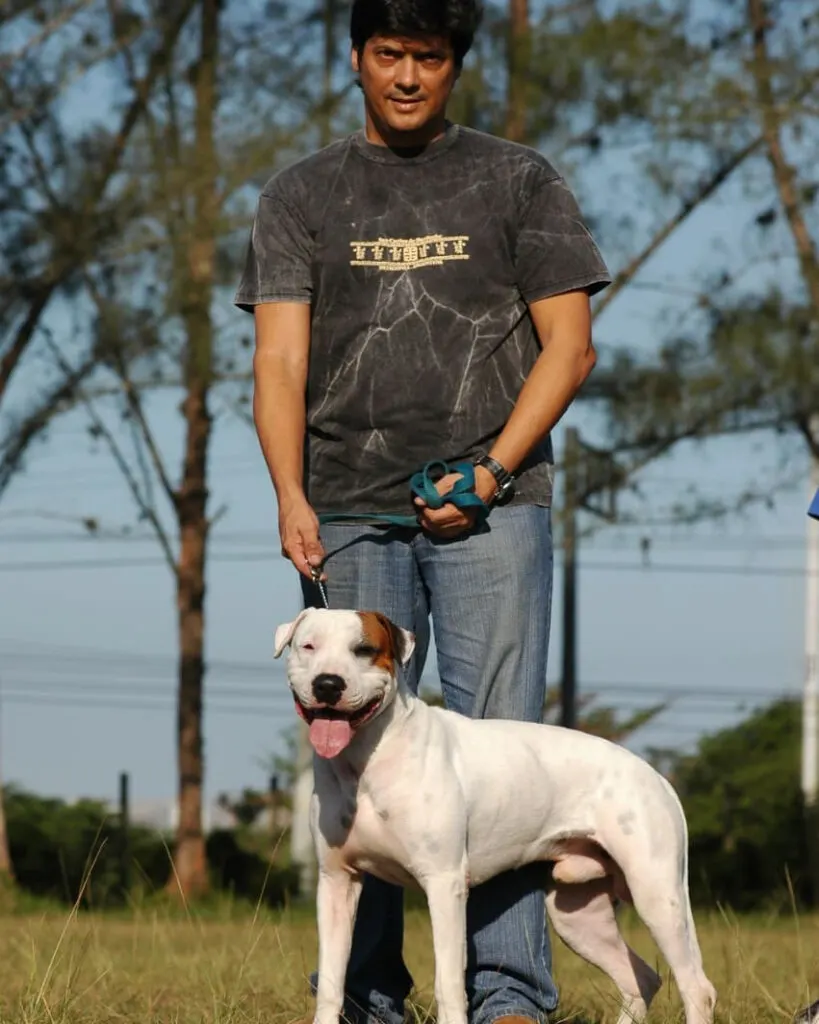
{"x": 446, "y": 895}
{"x": 337, "y": 901}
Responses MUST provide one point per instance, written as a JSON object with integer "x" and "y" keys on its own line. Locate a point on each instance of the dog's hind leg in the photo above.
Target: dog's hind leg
{"x": 583, "y": 916}
{"x": 661, "y": 900}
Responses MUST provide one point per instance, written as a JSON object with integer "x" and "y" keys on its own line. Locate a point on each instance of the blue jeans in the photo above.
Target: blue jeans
{"x": 488, "y": 594}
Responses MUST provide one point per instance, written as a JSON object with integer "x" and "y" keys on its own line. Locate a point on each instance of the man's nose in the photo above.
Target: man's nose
{"x": 328, "y": 688}
{"x": 406, "y": 74}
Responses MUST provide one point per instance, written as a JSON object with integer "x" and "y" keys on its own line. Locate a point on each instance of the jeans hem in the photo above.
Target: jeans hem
{"x": 496, "y": 1014}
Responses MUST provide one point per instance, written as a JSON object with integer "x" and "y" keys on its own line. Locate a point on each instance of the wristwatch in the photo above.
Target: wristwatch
{"x": 504, "y": 481}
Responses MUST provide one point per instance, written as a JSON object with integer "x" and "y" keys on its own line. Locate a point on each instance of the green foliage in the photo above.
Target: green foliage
{"x": 741, "y": 795}
{"x": 57, "y": 847}
{"x": 238, "y": 869}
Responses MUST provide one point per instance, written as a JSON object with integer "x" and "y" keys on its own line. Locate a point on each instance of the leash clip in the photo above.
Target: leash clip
{"x": 315, "y": 575}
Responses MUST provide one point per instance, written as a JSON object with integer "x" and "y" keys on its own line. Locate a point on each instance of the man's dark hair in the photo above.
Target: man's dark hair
{"x": 456, "y": 20}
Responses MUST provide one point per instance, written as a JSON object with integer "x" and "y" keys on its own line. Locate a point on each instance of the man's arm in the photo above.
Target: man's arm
{"x": 563, "y": 325}
{"x": 280, "y": 378}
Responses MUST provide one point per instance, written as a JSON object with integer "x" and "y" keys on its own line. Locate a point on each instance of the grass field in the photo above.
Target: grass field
{"x": 233, "y": 967}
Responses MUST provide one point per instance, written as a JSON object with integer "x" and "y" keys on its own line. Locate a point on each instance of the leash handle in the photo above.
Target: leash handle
{"x": 462, "y": 493}
{"x": 422, "y": 485}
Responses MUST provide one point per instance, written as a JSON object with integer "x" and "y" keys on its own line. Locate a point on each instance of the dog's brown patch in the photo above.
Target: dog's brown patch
{"x": 386, "y": 641}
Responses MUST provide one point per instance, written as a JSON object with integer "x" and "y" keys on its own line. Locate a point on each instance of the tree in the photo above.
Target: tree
{"x": 740, "y": 793}
{"x": 59, "y": 205}
{"x": 204, "y": 139}
{"x": 747, "y": 360}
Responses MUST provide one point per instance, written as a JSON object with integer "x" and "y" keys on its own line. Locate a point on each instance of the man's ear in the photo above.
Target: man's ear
{"x": 355, "y": 60}
{"x": 284, "y": 633}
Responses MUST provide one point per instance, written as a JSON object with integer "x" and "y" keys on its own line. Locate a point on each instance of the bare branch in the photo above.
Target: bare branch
{"x": 14, "y": 448}
{"x": 25, "y": 333}
{"x": 134, "y": 400}
{"x": 145, "y": 507}
{"x": 45, "y": 33}
{"x": 57, "y": 274}
{"x": 704, "y": 191}
{"x": 19, "y": 116}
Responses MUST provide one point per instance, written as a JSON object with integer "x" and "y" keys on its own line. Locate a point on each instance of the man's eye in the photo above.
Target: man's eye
{"x": 365, "y": 651}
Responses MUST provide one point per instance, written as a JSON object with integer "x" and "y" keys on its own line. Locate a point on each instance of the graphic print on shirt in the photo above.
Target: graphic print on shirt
{"x": 409, "y": 253}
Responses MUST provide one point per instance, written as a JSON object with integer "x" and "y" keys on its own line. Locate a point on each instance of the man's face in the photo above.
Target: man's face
{"x": 407, "y": 82}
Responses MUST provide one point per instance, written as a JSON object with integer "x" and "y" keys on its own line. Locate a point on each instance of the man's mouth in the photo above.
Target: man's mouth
{"x": 331, "y": 729}
{"x": 404, "y": 104}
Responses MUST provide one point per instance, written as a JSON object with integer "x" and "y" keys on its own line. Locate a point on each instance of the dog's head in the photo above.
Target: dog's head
{"x": 342, "y": 669}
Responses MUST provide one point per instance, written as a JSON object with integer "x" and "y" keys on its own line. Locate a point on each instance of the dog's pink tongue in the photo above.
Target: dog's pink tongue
{"x": 330, "y": 736}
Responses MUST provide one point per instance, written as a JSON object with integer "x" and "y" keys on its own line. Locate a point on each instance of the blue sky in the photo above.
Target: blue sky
{"x": 87, "y": 670}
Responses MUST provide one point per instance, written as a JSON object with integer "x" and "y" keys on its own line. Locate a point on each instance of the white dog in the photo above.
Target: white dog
{"x": 421, "y": 796}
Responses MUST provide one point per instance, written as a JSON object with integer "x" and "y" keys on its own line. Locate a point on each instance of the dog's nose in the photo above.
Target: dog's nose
{"x": 328, "y": 688}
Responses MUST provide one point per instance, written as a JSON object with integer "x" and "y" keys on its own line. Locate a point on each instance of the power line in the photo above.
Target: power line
{"x": 73, "y": 660}
{"x": 121, "y": 688}
{"x": 635, "y": 694}
{"x": 10, "y": 697}
{"x": 746, "y": 543}
{"x": 266, "y": 555}
{"x": 689, "y": 718}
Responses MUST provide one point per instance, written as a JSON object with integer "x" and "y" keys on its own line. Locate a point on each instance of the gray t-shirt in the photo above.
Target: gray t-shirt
{"x": 419, "y": 270}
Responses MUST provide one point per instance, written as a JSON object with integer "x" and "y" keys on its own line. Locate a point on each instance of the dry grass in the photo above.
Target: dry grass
{"x": 234, "y": 968}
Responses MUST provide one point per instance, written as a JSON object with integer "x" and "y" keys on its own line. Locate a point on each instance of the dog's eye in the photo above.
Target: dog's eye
{"x": 307, "y": 647}
{"x": 365, "y": 651}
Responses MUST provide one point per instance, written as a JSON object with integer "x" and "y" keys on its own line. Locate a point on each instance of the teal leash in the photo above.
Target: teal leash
{"x": 422, "y": 485}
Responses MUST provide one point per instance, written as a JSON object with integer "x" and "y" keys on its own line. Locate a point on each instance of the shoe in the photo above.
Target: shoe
{"x": 810, "y": 1015}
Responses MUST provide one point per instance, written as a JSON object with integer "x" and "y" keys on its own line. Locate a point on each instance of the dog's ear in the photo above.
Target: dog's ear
{"x": 284, "y": 633}
{"x": 403, "y": 641}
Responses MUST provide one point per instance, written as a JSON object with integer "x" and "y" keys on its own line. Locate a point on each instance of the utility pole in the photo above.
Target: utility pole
{"x": 6, "y": 870}
{"x": 124, "y": 836}
{"x": 568, "y": 683}
{"x": 810, "y": 696}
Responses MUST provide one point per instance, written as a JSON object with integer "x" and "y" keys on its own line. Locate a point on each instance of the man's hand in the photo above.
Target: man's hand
{"x": 450, "y": 521}
{"x": 299, "y": 532}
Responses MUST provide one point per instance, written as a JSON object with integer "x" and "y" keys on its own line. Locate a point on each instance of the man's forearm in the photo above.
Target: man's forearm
{"x": 548, "y": 392}
{"x": 279, "y": 416}
{"x": 566, "y": 361}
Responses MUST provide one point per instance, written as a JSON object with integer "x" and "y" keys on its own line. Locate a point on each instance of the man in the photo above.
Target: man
{"x": 421, "y": 291}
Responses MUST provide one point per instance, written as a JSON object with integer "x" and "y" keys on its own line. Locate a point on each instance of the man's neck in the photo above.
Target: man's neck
{"x": 409, "y": 143}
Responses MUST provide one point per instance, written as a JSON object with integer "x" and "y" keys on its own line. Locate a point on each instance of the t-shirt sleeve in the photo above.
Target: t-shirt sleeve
{"x": 279, "y": 254}
{"x": 554, "y": 251}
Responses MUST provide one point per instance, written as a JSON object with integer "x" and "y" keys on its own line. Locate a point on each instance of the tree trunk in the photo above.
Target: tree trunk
{"x": 784, "y": 174}
{"x": 6, "y": 870}
{"x": 197, "y": 273}
{"x": 330, "y": 15}
{"x": 519, "y": 49}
